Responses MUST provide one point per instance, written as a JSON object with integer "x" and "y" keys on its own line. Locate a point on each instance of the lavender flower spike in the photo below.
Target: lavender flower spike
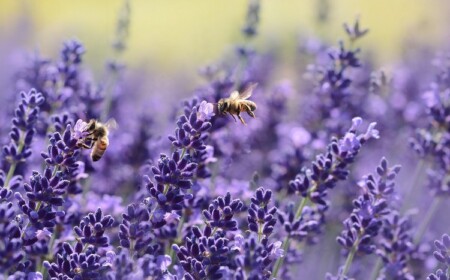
{"x": 366, "y": 219}
{"x": 22, "y": 132}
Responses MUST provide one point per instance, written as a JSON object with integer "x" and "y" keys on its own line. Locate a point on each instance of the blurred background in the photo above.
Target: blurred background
{"x": 180, "y": 36}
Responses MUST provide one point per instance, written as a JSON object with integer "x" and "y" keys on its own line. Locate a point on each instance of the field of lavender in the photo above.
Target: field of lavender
{"x": 343, "y": 172}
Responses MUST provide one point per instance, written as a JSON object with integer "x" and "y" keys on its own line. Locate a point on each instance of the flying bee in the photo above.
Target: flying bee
{"x": 238, "y": 103}
{"x": 97, "y": 137}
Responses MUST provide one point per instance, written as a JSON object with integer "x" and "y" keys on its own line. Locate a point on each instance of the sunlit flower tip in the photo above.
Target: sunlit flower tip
{"x": 80, "y": 171}
{"x": 238, "y": 243}
{"x": 43, "y": 234}
{"x": 349, "y": 143}
{"x": 163, "y": 262}
{"x": 205, "y": 111}
{"x": 300, "y": 136}
{"x": 110, "y": 255}
{"x": 158, "y": 215}
{"x": 171, "y": 217}
{"x": 326, "y": 86}
{"x": 210, "y": 154}
{"x": 372, "y": 132}
{"x": 355, "y": 31}
{"x": 80, "y": 129}
{"x": 276, "y": 251}
{"x": 356, "y": 122}
{"x": 109, "y": 258}
{"x": 430, "y": 98}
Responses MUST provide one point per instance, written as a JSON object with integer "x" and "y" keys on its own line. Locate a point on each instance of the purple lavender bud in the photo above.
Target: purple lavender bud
{"x": 439, "y": 275}
{"x": 83, "y": 264}
{"x": 134, "y": 226}
{"x": 260, "y": 218}
{"x": 221, "y": 211}
{"x": 203, "y": 255}
{"x": 443, "y": 248}
{"x": 92, "y": 229}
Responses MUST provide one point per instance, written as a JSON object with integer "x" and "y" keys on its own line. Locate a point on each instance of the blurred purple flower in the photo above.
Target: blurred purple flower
{"x": 276, "y": 251}
{"x": 205, "y": 111}
{"x": 163, "y": 262}
{"x": 172, "y": 217}
{"x": 43, "y": 234}
{"x": 80, "y": 130}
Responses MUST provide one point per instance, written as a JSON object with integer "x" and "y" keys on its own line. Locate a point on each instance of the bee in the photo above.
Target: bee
{"x": 238, "y": 103}
{"x": 97, "y": 137}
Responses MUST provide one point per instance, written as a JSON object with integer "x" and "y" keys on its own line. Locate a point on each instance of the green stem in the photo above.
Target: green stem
{"x": 13, "y": 166}
{"x": 38, "y": 206}
{"x": 376, "y": 269}
{"x": 132, "y": 248}
{"x": 11, "y": 171}
{"x": 108, "y": 98}
{"x": 300, "y": 207}
{"x": 85, "y": 247}
{"x": 55, "y": 170}
{"x": 427, "y": 219}
{"x": 349, "y": 260}
{"x": 280, "y": 261}
{"x": 260, "y": 228}
{"x": 183, "y": 152}
{"x": 166, "y": 189}
{"x": 415, "y": 182}
{"x": 177, "y": 240}
{"x": 50, "y": 246}
{"x": 40, "y": 267}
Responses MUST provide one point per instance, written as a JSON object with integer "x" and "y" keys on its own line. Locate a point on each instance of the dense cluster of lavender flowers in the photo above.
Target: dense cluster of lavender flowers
{"x": 288, "y": 194}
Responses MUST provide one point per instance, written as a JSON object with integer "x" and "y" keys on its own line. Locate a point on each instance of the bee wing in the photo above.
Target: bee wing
{"x": 111, "y": 124}
{"x": 248, "y": 91}
{"x": 234, "y": 95}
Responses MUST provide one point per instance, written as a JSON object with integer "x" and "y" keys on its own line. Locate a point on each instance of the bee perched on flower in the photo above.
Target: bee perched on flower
{"x": 93, "y": 135}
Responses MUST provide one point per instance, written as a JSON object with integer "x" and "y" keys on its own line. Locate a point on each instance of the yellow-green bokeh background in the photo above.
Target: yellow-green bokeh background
{"x": 182, "y": 35}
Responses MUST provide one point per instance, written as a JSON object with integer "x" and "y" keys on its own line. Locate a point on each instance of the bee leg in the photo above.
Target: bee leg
{"x": 241, "y": 119}
{"x": 86, "y": 146}
{"x": 249, "y": 111}
{"x": 251, "y": 114}
{"x": 233, "y": 117}
{"x": 82, "y": 143}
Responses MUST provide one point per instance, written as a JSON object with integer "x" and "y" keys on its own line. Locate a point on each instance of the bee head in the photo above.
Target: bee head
{"x": 92, "y": 125}
{"x": 222, "y": 106}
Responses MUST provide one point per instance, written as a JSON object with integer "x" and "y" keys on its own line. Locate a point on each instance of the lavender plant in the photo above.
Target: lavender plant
{"x": 366, "y": 219}
{"x": 327, "y": 170}
{"x": 220, "y": 200}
